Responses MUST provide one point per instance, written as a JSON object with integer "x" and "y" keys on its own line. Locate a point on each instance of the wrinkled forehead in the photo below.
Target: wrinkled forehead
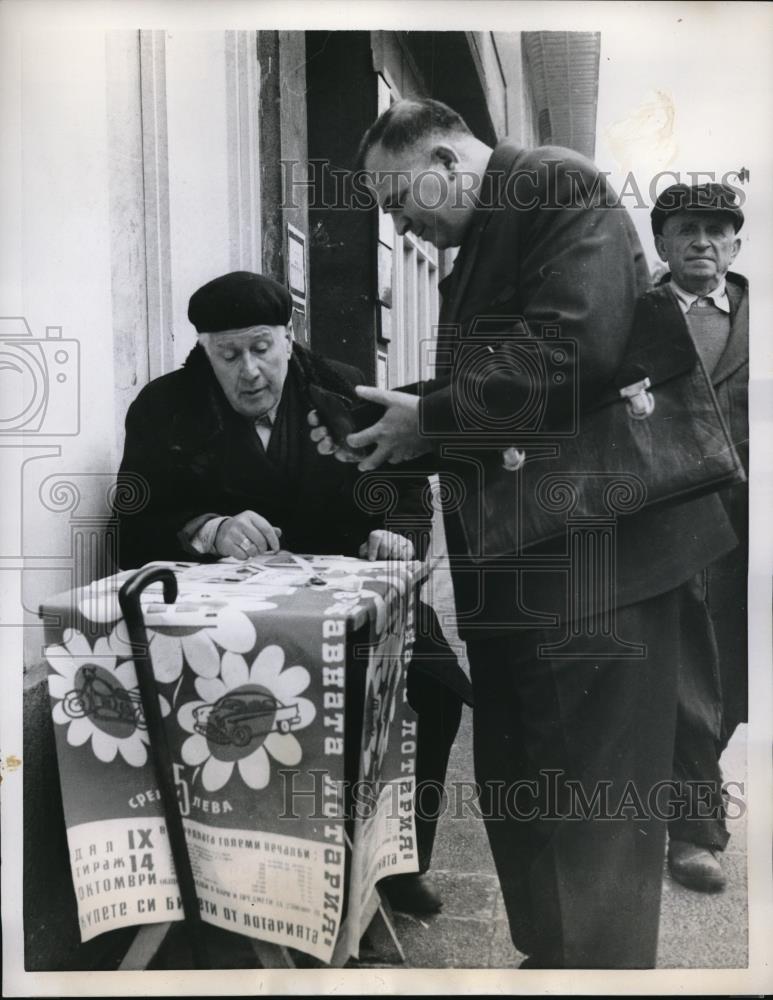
{"x": 246, "y": 337}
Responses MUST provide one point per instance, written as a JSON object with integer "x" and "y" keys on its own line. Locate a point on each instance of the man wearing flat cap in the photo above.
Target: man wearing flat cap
{"x": 696, "y": 233}
{"x": 223, "y": 447}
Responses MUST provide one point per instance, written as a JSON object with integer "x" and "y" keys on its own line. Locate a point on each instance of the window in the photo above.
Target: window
{"x": 408, "y": 291}
{"x": 414, "y": 308}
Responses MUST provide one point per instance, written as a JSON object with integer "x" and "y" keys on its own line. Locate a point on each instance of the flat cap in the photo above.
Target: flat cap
{"x": 696, "y": 197}
{"x": 239, "y": 300}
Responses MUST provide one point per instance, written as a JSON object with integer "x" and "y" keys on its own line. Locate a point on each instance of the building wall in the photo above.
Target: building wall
{"x": 486, "y": 52}
{"x": 139, "y": 180}
{"x": 63, "y": 285}
{"x": 67, "y": 205}
{"x": 519, "y": 110}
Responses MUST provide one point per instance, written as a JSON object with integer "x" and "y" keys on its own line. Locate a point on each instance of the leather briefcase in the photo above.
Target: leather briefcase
{"x": 656, "y": 436}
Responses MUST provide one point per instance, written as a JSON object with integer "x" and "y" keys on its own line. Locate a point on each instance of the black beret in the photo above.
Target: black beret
{"x": 238, "y": 300}
{"x": 698, "y": 197}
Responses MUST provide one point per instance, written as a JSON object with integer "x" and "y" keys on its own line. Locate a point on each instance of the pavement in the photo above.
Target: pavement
{"x": 697, "y": 930}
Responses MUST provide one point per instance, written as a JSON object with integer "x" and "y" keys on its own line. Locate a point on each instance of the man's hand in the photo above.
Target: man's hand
{"x": 396, "y": 435}
{"x": 246, "y": 535}
{"x": 384, "y": 544}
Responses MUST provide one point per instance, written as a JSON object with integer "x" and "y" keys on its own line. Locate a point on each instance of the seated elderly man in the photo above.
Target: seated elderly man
{"x": 223, "y": 446}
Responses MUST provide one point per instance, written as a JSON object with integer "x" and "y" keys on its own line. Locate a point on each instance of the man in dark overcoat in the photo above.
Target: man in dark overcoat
{"x": 696, "y": 232}
{"x": 545, "y": 249}
{"x": 223, "y": 449}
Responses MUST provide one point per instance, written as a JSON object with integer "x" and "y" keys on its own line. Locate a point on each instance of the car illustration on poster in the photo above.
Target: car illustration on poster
{"x": 242, "y": 716}
{"x": 104, "y": 701}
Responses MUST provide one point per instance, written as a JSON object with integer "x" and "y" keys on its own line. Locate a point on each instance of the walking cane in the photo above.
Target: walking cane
{"x": 129, "y": 599}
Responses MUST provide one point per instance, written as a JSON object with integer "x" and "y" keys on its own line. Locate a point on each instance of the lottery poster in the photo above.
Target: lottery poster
{"x": 249, "y": 664}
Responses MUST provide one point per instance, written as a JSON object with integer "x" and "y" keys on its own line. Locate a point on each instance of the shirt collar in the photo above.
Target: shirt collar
{"x": 718, "y": 296}
{"x": 268, "y": 418}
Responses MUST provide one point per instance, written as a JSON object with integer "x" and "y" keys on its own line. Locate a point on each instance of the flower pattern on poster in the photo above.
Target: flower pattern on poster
{"x": 98, "y": 700}
{"x": 189, "y": 630}
{"x": 247, "y": 717}
{"x": 98, "y": 602}
{"x": 196, "y": 643}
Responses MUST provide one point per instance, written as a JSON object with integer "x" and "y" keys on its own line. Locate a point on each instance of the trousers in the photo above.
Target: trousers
{"x": 439, "y": 710}
{"x": 712, "y": 699}
{"x": 573, "y": 754}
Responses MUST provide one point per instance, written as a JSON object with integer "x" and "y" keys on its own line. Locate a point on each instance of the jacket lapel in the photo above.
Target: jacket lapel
{"x": 736, "y": 354}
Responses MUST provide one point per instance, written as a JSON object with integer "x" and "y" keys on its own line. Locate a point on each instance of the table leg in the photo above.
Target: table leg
{"x": 378, "y": 918}
{"x": 381, "y": 929}
{"x": 143, "y": 948}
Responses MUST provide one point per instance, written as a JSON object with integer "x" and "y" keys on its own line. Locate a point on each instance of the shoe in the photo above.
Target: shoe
{"x": 696, "y": 867}
{"x": 411, "y": 894}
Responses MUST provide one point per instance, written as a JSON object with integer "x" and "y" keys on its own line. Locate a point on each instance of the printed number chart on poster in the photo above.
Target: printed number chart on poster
{"x": 255, "y": 666}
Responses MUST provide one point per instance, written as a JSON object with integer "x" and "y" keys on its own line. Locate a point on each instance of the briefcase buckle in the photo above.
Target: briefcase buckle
{"x": 640, "y": 403}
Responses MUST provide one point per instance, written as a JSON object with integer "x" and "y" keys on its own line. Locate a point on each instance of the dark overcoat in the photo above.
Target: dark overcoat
{"x": 551, "y": 255}
{"x": 197, "y": 456}
{"x": 726, "y": 579}
{"x": 551, "y": 251}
